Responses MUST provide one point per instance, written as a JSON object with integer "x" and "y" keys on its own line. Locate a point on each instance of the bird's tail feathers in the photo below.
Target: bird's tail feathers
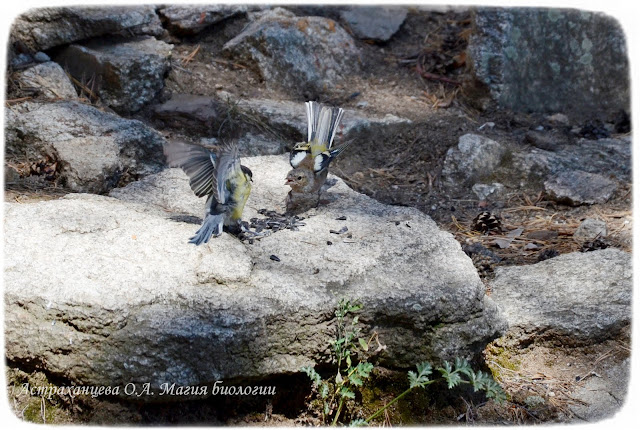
{"x": 336, "y": 117}
{"x": 313, "y": 112}
{"x": 212, "y": 225}
{"x": 328, "y": 125}
{"x": 322, "y": 123}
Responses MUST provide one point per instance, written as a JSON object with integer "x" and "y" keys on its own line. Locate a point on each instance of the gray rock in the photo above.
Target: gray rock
{"x": 375, "y": 23}
{"x": 577, "y": 297}
{"x": 602, "y": 394}
{"x": 192, "y": 19}
{"x": 128, "y": 74}
{"x": 50, "y": 79}
{"x": 558, "y": 119}
{"x": 472, "y": 160}
{"x": 95, "y": 150}
{"x": 263, "y": 126}
{"x": 261, "y": 144}
{"x": 128, "y": 300}
{"x": 576, "y": 187}
{"x": 607, "y": 157}
{"x": 284, "y": 114}
{"x": 591, "y": 228}
{"x": 484, "y": 191}
{"x": 44, "y": 28}
{"x": 270, "y": 13}
{"x": 41, "y": 57}
{"x": 21, "y": 61}
{"x": 585, "y": 72}
{"x": 545, "y": 140}
{"x": 305, "y": 56}
{"x": 196, "y": 113}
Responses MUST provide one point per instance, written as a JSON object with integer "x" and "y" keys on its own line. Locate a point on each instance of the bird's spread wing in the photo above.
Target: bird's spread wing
{"x": 197, "y": 162}
{"x": 228, "y": 162}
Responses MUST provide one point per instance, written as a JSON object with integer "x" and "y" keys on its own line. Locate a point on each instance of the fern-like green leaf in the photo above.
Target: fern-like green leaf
{"x": 462, "y": 365}
{"x": 347, "y": 393}
{"x": 413, "y": 379}
{"x": 364, "y": 369}
{"x": 451, "y": 376}
{"x": 324, "y": 390}
{"x": 494, "y": 391}
{"x": 421, "y": 379}
{"x": 358, "y": 423}
{"x": 355, "y": 379}
{"x": 312, "y": 374}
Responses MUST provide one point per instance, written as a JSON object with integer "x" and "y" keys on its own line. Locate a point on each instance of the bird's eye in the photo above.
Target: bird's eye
{"x": 299, "y": 178}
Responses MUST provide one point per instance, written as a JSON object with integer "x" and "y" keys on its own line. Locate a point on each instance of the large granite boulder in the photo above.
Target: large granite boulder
{"x": 94, "y": 150}
{"x": 584, "y": 70}
{"x": 576, "y": 298}
{"x": 107, "y": 291}
{"x": 306, "y": 56}
{"x": 125, "y": 74}
{"x": 44, "y": 28}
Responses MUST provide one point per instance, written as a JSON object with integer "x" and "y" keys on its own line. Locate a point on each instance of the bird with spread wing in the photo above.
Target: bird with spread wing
{"x": 221, "y": 177}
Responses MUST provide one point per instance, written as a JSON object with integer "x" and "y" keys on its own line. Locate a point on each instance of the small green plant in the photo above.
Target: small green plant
{"x": 349, "y": 375}
{"x": 348, "y": 343}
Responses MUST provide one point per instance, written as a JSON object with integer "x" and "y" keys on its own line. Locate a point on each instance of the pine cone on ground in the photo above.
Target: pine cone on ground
{"x": 486, "y": 222}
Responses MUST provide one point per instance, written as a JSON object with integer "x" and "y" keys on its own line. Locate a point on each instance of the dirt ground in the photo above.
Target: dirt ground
{"x": 416, "y": 75}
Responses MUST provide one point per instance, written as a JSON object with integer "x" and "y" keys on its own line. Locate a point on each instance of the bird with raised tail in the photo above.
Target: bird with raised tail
{"x": 221, "y": 177}
{"x": 311, "y": 159}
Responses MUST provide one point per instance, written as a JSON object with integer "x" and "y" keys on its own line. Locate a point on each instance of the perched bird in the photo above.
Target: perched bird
{"x": 310, "y": 160}
{"x": 222, "y": 178}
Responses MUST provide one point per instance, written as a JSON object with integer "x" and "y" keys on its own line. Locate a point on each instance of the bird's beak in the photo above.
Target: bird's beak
{"x": 287, "y": 181}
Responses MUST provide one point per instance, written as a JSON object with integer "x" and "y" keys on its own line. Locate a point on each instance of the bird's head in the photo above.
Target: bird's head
{"x": 299, "y": 179}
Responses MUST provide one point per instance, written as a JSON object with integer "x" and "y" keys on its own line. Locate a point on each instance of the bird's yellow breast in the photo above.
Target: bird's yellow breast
{"x": 241, "y": 187}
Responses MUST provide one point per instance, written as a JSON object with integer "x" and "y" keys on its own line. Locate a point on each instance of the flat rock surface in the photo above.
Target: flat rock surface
{"x": 202, "y": 113}
{"x": 192, "y": 19}
{"x": 44, "y": 28}
{"x": 293, "y": 115}
{"x": 117, "y": 295}
{"x": 576, "y": 187}
{"x": 581, "y": 297}
{"x": 604, "y": 392}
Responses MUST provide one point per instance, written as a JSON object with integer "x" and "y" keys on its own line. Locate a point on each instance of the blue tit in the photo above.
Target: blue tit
{"x": 310, "y": 160}
{"x": 222, "y": 178}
